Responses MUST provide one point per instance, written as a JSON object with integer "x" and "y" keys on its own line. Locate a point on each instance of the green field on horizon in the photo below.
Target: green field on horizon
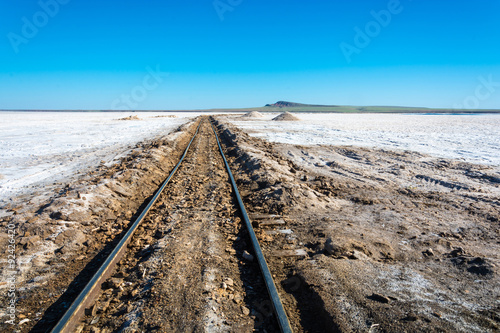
{"x": 304, "y": 108}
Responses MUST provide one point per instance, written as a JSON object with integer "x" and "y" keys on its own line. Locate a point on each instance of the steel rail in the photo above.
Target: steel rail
{"x": 271, "y": 287}
{"x": 70, "y": 319}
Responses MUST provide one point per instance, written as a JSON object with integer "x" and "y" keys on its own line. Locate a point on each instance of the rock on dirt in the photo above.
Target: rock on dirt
{"x": 247, "y": 256}
{"x": 379, "y": 298}
{"x": 229, "y": 282}
{"x": 245, "y": 310}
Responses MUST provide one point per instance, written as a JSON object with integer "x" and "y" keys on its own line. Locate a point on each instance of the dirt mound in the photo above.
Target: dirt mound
{"x": 252, "y": 114}
{"x": 286, "y": 116}
{"x": 130, "y": 118}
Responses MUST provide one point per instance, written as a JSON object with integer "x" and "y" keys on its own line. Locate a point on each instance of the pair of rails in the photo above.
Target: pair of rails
{"x": 88, "y": 295}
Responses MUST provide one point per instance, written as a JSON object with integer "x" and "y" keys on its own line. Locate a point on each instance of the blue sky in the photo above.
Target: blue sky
{"x": 76, "y": 54}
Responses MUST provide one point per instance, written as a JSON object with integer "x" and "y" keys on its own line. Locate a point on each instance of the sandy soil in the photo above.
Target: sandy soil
{"x": 392, "y": 241}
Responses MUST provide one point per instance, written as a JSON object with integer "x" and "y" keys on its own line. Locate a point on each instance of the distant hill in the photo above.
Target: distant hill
{"x": 282, "y": 106}
{"x": 285, "y": 104}
{"x": 301, "y": 107}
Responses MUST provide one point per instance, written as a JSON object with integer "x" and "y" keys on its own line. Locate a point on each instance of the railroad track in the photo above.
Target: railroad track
{"x": 182, "y": 265}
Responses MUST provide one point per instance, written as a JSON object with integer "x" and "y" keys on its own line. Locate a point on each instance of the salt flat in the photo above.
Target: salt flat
{"x": 41, "y": 147}
{"x": 471, "y": 138}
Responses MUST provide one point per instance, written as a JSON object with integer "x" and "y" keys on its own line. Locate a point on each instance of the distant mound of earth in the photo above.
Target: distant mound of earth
{"x": 286, "y": 116}
{"x": 253, "y": 114}
{"x": 130, "y": 118}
